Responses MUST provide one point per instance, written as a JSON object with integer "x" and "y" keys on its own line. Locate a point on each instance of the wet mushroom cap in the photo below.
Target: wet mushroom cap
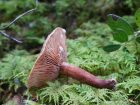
{"x": 47, "y": 65}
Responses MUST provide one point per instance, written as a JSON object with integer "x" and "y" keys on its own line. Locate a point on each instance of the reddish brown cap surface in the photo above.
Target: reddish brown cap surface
{"x": 53, "y": 53}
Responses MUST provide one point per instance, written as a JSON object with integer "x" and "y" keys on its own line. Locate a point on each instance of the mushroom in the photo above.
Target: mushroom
{"x": 52, "y": 59}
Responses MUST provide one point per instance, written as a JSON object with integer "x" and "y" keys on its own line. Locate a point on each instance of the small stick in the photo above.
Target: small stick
{"x": 14, "y": 21}
{"x": 10, "y": 37}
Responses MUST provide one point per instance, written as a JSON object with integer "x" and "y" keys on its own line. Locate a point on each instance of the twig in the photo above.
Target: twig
{"x": 10, "y": 37}
{"x": 16, "y": 20}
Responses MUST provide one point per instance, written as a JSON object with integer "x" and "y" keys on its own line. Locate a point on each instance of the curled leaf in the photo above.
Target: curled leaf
{"x": 126, "y": 50}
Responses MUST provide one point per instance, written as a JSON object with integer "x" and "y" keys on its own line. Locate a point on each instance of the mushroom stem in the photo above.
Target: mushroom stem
{"x": 85, "y": 77}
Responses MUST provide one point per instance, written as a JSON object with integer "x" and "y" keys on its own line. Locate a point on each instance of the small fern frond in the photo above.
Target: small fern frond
{"x": 130, "y": 84}
{"x": 54, "y": 92}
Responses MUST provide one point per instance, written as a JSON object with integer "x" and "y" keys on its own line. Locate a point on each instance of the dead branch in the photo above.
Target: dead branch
{"x": 14, "y": 21}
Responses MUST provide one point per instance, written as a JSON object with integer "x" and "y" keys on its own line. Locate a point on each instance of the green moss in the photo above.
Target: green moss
{"x": 84, "y": 52}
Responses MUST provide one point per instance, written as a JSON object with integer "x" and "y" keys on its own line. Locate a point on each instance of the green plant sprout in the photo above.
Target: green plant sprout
{"x": 122, "y": 30}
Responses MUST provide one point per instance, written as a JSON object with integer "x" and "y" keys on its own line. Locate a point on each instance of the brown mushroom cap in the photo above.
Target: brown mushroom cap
{"x": 47, "y": 65}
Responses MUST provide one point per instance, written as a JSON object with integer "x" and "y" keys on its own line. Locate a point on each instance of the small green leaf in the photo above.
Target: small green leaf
{"x": 111, "y": 47}
{"x": 137, "y": 17}
{"x": 126, "y": 50}
{"x": 115, "y": 22}
{"x": 120, "y": 36}
{"x": 138, "y": 39}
